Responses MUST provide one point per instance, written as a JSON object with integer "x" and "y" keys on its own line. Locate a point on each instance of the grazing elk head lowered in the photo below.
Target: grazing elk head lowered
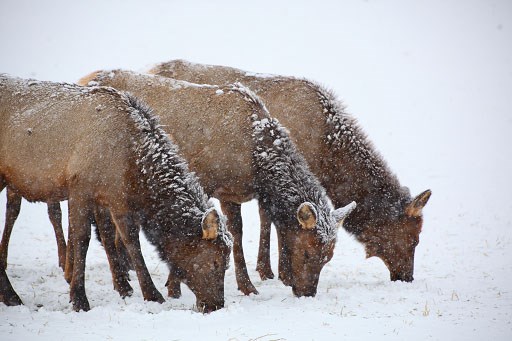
{"x": 307, "y": 248}
{"x": 297, "y": 204}
{"x": 393, "y": 236}
{"x": 201, "y": 263}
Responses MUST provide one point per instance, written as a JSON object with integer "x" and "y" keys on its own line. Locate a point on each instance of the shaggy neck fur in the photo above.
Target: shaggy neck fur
{"x": 373, "y": 186}
{"x": 284, "y": 181}
{"x": 178, "y": 202}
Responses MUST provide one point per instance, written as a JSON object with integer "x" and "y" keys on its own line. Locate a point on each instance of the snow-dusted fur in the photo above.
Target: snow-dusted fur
{"x": 179, "y": 197}
{"x": 281, "y": 174}
{"x": 344, "y": 136}
{"x": 283, "y": 179}
{"x": 338, "y": 152}
{"x": 116, "y": 159}
{"x": 204, "y": 120}
{"x": 344, "y": 132}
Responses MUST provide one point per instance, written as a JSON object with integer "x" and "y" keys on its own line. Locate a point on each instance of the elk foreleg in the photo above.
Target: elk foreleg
{"x": 263, "y": 266}
{"x": 79, "y": 236}
{"x": 234, "y": 215}
{"x": 107, "y": 231}
{"x": 11, "y": 214}
{"x": 129, "y": 232}
{"x": 285, "y": 267}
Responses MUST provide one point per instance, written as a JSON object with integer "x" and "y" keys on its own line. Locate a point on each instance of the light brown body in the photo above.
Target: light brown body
{"x": 387, "y": 220}
{"x": 65, "y": 142}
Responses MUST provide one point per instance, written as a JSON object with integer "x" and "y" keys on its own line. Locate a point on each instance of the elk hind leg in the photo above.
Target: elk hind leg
{"x": 129, "y": 233}
{"x": 11, "y": 214}
{"x": 55, "y": 215}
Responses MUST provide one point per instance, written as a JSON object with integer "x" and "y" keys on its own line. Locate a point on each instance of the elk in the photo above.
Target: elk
{"x": 257, "y": 160}
{"x": 387, "y": 220}
{"x": 105, "y": 152}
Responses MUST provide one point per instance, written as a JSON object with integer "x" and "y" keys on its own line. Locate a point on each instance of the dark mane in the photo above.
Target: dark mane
{"x": 283, "y": 179}
{"x": 249, "y": 96}
{"x": 344, "y": 136}
{"x": 344, "y": 133}
{"x": 176, "y": 195}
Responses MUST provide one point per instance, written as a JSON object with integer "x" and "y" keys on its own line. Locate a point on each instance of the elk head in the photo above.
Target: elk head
{"x": 394, "y": 238}
{"x": 305, "y": 250}
{"x": 200, "y": 261}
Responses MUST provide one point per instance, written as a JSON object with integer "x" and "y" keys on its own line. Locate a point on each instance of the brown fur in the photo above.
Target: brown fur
{"x": 81, "y": 144}
{"x": 387, "y": 220}
{"x": 203, "y": 119}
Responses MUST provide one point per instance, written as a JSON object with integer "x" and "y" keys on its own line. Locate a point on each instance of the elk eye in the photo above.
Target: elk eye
{"x": 179, "y": 273}
{"x": 306, "y": 255}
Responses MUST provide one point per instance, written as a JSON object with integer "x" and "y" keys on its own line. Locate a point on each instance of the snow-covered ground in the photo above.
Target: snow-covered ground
{"x": 431, "y": 84}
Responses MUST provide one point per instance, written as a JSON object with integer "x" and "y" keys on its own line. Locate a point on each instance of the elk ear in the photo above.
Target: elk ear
{"x": 416, "y": 206}
{"x": 341, "y": 213}
{"x": 306, "y": 215}
{"x": 210, "y": 224}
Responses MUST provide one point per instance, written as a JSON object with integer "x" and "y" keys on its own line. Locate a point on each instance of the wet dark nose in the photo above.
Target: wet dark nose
{"x": 307, "y": 292}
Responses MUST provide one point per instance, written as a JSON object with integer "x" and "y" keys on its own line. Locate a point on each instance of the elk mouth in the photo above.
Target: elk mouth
{"x": 401, "y": 277}
{"x": 207, "y": 308}
{"x": 311, "y": 292}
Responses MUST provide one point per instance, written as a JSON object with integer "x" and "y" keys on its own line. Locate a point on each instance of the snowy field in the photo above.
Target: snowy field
{"x": 431, "y": 84}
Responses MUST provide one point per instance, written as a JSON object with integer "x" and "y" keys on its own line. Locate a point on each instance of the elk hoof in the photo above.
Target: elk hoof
{"x": 265, "y": 273}
{"x": 249, "y": 289}
{"x": 155, "y": 297}
{"x": 81, "y": 304}
{"x": 124, "y": 289}
{"x": 10, "y": 299}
